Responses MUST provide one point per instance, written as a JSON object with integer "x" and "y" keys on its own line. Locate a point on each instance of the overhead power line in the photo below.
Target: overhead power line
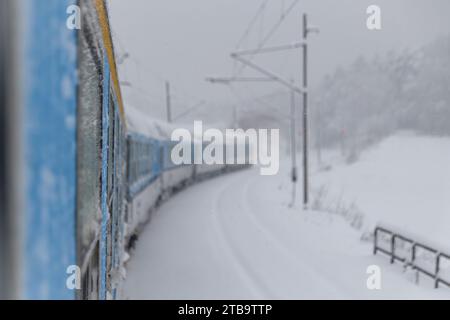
{"x": 261, "y": 9}
{"x": 272, "y": 31}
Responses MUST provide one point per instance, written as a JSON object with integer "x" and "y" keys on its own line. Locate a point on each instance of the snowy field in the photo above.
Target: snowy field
{"x": 235, "y": 237}
{"x": 402, "y": 182}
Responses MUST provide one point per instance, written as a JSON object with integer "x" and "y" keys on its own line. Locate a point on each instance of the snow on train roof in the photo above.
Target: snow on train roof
{"x": 140, "y": 122}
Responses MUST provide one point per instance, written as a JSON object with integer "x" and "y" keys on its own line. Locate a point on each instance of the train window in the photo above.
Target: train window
{"x": 135, "y": 163}
{"x": 161, "y": 156}
{"x": 140, "y": 160}
{"x": 111, "y": 155}
{"x": 141, "y": 157}
{"x": 116, "y": 212}
{"x": 149, "y": 158}
{"x": 130, "y": 161}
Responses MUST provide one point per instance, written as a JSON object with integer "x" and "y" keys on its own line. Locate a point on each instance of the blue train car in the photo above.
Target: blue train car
{"x": 143, "y": 162}
{"x": 144, "y": 183}
{"x": 76, "y": 186}
{"x": 56, "y": 237}
{"x": 101, "y": 158}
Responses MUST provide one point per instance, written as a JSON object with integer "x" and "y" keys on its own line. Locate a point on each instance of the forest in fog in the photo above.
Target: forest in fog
{"x": 360, "y": 104}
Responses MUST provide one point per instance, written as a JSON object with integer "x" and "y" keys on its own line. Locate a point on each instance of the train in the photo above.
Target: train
{"x": 78, "y": 182}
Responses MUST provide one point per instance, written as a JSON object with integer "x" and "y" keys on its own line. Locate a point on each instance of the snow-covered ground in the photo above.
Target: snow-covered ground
{"x": 235, "y": 237}
{"x": 403, "y": 182}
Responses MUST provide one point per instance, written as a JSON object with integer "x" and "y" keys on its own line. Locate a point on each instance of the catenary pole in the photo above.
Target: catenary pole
{"x": 293, "y": 148}
{"x": 305, "y": 114}
{"x": 168, "y": 102}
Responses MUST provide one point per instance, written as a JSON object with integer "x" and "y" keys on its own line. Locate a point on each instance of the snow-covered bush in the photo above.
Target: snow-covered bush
{"x": 349, "y": 211}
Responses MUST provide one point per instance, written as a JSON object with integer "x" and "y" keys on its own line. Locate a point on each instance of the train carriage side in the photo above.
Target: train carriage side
{"x": 204, "y": 171}
{"x": 174, "y": 176}
{"x": 144, "y": 181}
{"x": 102, "y": 158}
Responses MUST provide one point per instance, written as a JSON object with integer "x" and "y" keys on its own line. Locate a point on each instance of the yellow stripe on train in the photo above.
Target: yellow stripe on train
{"x": 107, "y": 41}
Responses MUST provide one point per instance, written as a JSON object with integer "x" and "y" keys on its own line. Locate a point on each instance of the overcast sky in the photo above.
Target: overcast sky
{"x": 185, "y": 41}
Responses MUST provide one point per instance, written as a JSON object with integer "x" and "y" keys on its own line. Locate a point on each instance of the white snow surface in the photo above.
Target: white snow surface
{"x": 403, "y": 182}
{"x": 235, "y": 237}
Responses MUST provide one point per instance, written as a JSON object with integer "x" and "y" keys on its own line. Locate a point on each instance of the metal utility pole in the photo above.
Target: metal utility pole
{"x": 306, "y": 30}
{"x": 319, "y": 136}
{"x": 305, "y": 113}
{"x": 293, "y": 149}
{"x": 168, "y": 103}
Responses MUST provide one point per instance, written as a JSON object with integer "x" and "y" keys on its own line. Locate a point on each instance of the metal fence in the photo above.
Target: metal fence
{"x": 420, "y": 257}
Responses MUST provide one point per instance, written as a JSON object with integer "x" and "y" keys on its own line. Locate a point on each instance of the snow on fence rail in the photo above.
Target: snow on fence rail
{"x": 420, "y": 257}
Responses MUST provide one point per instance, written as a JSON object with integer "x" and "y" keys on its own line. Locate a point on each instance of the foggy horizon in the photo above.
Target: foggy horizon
{"x": 185, "y": 42}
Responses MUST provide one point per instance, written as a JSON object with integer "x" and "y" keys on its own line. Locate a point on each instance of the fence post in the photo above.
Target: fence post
{"x": 436, "y": 275}
{"x": 393, "y": 248}
{"x": 375, "y": 241}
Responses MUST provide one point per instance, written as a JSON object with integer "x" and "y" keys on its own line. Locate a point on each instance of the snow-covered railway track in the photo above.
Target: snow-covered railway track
{"x": 234, "y": 237}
